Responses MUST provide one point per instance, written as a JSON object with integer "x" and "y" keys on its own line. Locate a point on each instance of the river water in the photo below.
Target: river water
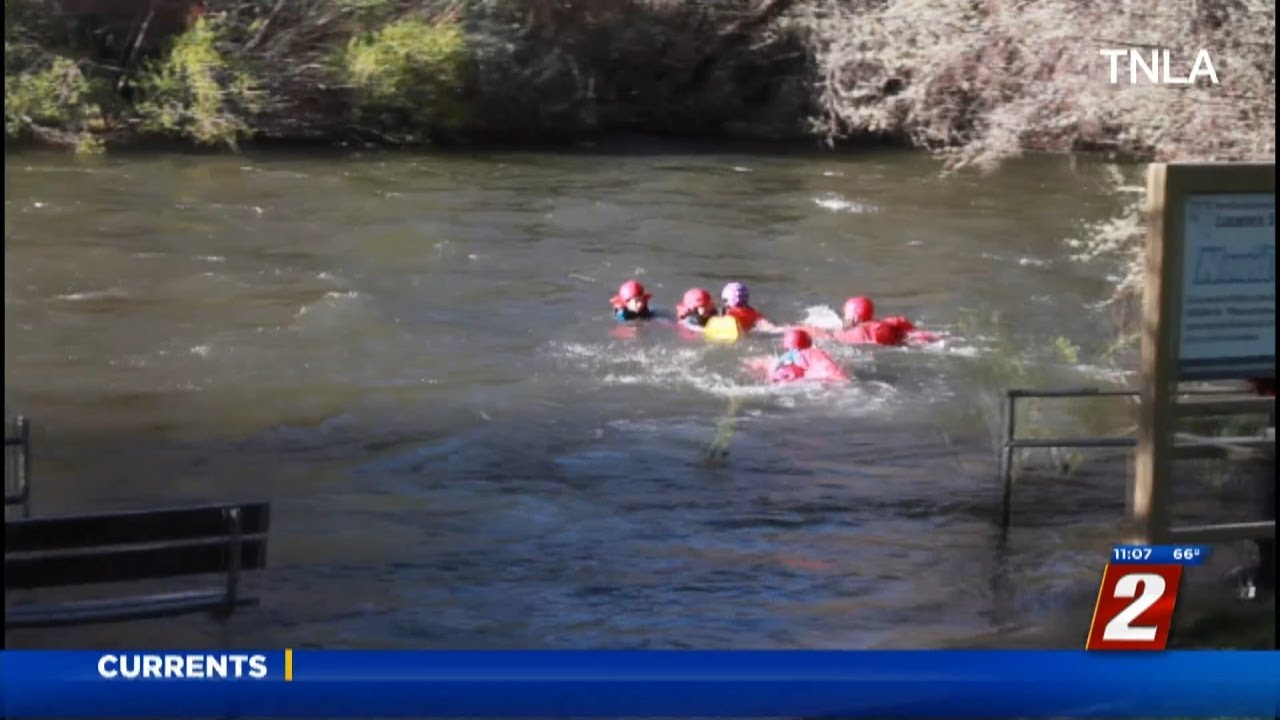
{"x": 412, "y": 357}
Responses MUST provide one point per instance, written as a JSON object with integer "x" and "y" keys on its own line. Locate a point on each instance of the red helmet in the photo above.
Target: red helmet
{"x": 859, "y": 309}
{"x": 695, "y": 298}
{"x": 630, "y": 290}
{"x": 796, "y": 339}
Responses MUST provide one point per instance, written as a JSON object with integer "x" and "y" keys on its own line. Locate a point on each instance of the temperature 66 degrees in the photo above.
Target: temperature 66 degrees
{"x": 1159, "y": 554}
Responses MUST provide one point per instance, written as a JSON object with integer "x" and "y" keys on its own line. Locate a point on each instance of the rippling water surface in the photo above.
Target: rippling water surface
{"x": 412, "y": 358}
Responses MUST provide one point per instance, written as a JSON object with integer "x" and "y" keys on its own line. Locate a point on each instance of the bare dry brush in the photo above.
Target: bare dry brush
{"x": 980, "y": 81}
{"x": 991, "y": 78}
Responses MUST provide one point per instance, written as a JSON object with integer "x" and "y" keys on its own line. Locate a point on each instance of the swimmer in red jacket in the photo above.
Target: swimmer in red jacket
{"x": 695, "y": 309}
{"x": 803, "y": 361}
{"x": 861, "y": 327}
{"x": 631, "y": 302}
{"x": 737, "y": 304}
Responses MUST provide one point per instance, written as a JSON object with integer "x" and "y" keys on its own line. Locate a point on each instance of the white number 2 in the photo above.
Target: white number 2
{"x": 1127, "y": 587}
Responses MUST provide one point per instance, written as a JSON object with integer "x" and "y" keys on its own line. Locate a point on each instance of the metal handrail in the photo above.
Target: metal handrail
{"x": 1099, "y": 392}
{"x": 1069, "y": 392}
{"x": 1012, "y": 443}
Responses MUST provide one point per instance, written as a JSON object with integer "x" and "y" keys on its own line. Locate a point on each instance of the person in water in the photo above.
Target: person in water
{"x": 631, "y": 302}
{"x": 695, "y": 309}
{"x": 737, "y": 304}
{"x": 802, "y": 361}
{"x": 861, "y": 327}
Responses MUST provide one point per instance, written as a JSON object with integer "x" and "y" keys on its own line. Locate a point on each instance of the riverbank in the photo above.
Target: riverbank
{"x": 977, "y": 83}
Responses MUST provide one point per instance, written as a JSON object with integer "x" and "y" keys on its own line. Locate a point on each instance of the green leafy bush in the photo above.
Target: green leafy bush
{"x": 53, "y": 100}
{"x": 195, "y": 92}
{"x": 411, "y": 68}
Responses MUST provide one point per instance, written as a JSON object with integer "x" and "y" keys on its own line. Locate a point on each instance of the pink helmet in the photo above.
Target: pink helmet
{"x": 796, "y": 339}
{"x": 695, "y": 298}
{"x": 630, "y": 290}
{"x": 735, "y": 294}
{"x": 859, "y": 309}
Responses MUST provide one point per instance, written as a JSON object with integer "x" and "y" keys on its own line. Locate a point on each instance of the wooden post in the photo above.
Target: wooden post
{"x": 1006, "y": 459}
{"x": 1146, "y": 492}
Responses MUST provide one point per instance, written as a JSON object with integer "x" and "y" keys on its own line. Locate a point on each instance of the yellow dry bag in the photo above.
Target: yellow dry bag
{"x": 722, "y": 328}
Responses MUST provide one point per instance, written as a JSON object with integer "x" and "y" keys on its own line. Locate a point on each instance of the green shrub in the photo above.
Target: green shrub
{"x": 410, "y": 68}
{"x": 195, "y": 92}
{"x": 1069, "y": 351}
{"x": 53, "y": 100}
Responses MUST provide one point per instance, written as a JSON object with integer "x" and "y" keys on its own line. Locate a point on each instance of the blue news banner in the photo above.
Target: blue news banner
{"x": 640, "y": 684}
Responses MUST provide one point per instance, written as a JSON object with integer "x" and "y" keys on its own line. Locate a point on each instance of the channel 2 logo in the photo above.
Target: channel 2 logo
{"x": 1135, "y": 607}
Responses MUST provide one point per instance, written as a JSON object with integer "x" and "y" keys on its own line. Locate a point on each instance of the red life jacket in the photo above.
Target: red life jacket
{"x": 893, "y": 330}
{"x": 873, "y": 332}
{"x": 810, "y": 364}
{"x": 747, "y": 317}
{"x": 899, "y": 322}
{"x": 786, "y": 373}
{"x": 906, "y": 331}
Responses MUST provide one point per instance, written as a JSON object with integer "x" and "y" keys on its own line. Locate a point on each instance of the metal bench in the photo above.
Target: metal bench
{"x": 20, "y": 492}
{"x": 63, "y": 551}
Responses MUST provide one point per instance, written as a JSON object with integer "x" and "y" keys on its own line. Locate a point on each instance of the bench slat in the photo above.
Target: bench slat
{"x": 1209, "y": 448}
{"x": 118, "y": 528}
{"x": 1244, "y": 405}
{"x": 128, "y": 563}
{"x": 1223, "y": 533}
{"x": 93, "y": 552}
{"x": 117, "y": 610}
